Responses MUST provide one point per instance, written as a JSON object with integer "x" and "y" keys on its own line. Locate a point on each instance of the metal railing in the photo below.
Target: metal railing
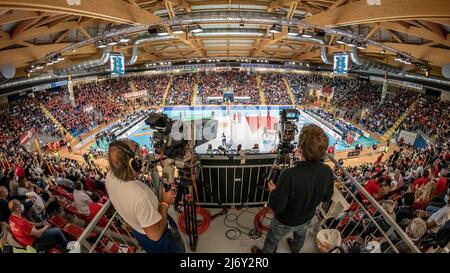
{"x": 359, "y": 220}
{"x": 363, "y": 219}
{"x": 111, "y": 238}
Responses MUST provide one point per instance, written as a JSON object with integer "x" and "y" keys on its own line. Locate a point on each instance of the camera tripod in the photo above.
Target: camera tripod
{"x": 187, "y": 192}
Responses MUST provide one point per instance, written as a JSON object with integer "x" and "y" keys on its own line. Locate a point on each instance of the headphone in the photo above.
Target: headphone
{"x": 134, "y": 162}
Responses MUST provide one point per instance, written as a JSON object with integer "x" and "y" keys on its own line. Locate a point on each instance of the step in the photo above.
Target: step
{"x": 194, "y": 92}
{"x": 166, "y": 92}
{"x": 289, "y": 90}
{"x": 55, "y": 121}
{"x": 262, "y": 96}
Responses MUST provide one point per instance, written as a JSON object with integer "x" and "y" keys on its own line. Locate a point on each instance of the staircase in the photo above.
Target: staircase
{"x": 132, "y": 86}
{"x": 194, "y": 91}
{"x": 262, "y": 97}
{"x": 166, "y": 92}
{"x": 289, "y": 90}
{"x": 55, "y": 121}
{"x": 397, "y": 123}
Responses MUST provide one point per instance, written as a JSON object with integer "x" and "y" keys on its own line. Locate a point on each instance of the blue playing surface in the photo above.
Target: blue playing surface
{"x": 245, "y": 125}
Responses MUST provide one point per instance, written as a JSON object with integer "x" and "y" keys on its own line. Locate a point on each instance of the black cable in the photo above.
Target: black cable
{"x": 234, "y": 233}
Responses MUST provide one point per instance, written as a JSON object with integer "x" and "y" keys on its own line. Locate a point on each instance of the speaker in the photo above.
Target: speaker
{"x": 446, "y": 71}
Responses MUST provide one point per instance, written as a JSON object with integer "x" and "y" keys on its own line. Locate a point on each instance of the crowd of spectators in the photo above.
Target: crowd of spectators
{"x": 27, "y": 202}
{"x": 181, "y": 90}
{"x": 384, "y": 115}
{"x": 431, "y": 116}
{"x": 242, "y": 84}
{"x": 22, "y": 115}
{"x": 155, "y": 86}
{"x": 275, "y": 89}
{"x": 412, "y": 186}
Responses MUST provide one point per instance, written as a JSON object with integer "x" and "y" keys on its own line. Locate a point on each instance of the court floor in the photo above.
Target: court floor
{"x": 244, "y": 125}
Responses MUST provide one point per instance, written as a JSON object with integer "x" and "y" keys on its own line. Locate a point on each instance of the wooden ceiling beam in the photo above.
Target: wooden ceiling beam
{"x": 360, "y": 12}
{"x": 111, "y": 10}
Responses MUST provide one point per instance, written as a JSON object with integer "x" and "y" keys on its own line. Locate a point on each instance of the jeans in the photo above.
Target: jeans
{"x": 170, "y": 241}
{"x": 279, "y": 230}
{"x": 56, "y": 235}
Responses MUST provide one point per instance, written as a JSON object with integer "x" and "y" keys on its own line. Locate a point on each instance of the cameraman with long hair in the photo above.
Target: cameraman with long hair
{"x": 137, "y": 204}
{"x": 299, "y": 191}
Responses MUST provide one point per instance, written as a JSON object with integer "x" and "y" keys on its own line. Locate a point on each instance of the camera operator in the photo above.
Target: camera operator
{"x": 137, "y": 204}
{"x": 299, "y": 191}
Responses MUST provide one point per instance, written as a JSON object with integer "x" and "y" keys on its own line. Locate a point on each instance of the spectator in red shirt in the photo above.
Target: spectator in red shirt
{"x": 20, "y": 171}
{"x": 41, "y": 237}
{"x": 373, "y": 187}
{"x": 441, "y": 184}
{"x": 421, "y": 181}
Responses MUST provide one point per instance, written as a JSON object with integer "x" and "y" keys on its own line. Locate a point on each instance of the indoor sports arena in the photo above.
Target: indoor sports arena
{"x": 225, "y": 126}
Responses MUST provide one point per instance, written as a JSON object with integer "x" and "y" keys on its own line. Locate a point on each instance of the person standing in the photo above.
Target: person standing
{"x": 299, "y": 191}
{"x": 153, "y": 228}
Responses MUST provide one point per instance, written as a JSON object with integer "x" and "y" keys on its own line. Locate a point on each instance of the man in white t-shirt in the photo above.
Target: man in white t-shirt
{"x": 82, "y": 199}
{"x": 439, "y": 218}
{"x": 137, "y": 204}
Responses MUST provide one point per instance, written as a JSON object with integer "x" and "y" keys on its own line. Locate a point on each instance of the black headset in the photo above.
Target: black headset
{"x": 134, "y": 162}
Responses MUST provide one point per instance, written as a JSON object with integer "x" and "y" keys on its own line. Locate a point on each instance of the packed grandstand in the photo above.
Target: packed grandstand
{"x": 181, "y": 126}
{"x": 411, "y": 185}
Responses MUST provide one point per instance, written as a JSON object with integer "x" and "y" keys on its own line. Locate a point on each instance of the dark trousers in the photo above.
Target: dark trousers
{"x": 170, "y": 241}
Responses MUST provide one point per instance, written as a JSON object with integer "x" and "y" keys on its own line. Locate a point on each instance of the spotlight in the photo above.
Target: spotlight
{"x": 177, "y": 30}
{"x": 196, "y": 29}
{"x": 100, "y": 44}
{"x": 112, "y": 42}
{"x": 275, "y": 29}
{"x": 340, "y": 41}
{"x": 308, "y": 32}
{"x": 124, "y": 40}
{"x": 293, "y": 31}
{"x": 162, "y": 31}
{"x": 361, "y": 45}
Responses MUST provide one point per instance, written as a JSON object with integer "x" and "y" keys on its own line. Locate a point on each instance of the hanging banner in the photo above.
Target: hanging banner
{"x": 71, "y": 94}
{"x": 48, "y": 86}
{"x": 117, "y": 65}
{"x": 341, "y": 64}
{"x": 135, "y": 94}
{"x": 408, "y": 137}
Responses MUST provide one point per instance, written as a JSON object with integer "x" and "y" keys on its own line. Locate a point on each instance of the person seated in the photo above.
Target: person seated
{"x": 405, "y": 209}
{"x": 40, "y": 236}
{"x": 82, "y": 200}
{"x": 437, "y": 219}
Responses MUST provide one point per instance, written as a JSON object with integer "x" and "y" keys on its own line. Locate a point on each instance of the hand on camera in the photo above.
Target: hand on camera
{"x": 168, "y": 196}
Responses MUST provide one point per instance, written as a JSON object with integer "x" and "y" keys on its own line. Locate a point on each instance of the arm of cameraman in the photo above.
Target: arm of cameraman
{"x": 280, "y": 195}
{"x": 156, "y": 230}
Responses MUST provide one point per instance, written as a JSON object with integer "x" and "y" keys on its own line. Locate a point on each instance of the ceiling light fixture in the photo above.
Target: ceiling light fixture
{"x": 196, "y": 29}
{"x": 275, "y": 29}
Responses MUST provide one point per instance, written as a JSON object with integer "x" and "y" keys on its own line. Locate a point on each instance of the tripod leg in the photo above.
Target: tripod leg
{"x": 208, "y": 191}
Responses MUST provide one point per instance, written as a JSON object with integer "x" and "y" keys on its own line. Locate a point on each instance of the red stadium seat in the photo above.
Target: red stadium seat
{"x": 71, "y": 209}
{"x": 75, "y": 231}
{"x": 57, "y": 221}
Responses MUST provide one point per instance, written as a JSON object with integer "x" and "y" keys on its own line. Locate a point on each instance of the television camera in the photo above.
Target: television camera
{"x": 287, "y": 131}
{"x": 174, "y": 143}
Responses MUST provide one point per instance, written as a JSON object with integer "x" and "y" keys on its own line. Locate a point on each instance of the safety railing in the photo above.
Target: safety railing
{"x": 363, "y": 219}
{"x": 106, "y": 233}
{"x": 357, "y": 219}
